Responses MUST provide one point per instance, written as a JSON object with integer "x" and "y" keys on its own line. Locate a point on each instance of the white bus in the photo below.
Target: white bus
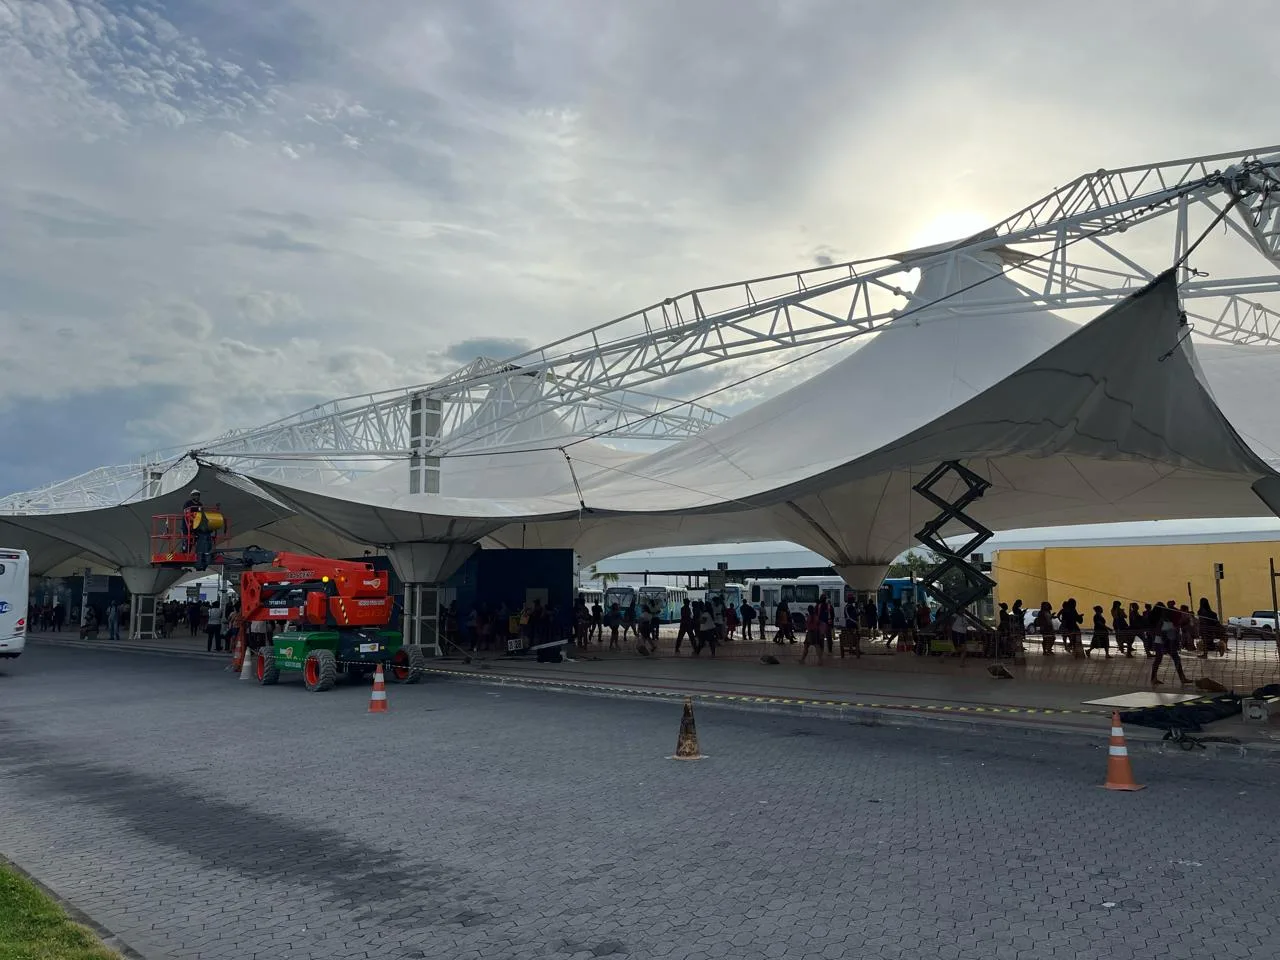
{"x": 732, "y": 594}
{"x": 799, "y": 593}
{"x": 667, "y": 601}
{"x": 15, "y": 583}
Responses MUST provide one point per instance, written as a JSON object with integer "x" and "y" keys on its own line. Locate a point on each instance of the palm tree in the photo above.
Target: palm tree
{"x": 603, "y": 578}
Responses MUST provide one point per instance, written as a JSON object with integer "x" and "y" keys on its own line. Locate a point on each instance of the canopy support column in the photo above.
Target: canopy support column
{"x": 144, "y": 617}
{"x": 424, "y": 567}
{"x": 972, "y": 583}
{"x": 145, "y": 586}
{"x": 422, "y": 617}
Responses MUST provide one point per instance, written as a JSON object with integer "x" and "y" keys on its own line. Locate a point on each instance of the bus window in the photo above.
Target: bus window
{"x": 755, "y": 593}
{"x": 802, "y": 593}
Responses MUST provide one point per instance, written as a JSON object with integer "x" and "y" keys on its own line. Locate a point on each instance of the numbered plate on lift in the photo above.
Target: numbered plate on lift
{"x": 370, "y": 647}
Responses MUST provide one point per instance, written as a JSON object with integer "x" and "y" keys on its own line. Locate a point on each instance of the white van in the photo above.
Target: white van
{"x": 15, "y": 581}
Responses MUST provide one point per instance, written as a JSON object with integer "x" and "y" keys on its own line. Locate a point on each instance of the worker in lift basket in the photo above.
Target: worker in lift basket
{"x": 195, "y": 522}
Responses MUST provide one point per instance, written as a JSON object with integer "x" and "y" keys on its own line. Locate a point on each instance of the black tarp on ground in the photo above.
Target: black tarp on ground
{"x": 1190, "y": 716}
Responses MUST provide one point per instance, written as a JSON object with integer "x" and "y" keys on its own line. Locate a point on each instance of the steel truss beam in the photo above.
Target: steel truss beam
{"x": 344, "y": 438}
{"x": 1065, "y": 251}
{"x": 1045, "y": 242}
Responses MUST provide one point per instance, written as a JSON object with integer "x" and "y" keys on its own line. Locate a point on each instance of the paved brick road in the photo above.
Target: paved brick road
{"x": 201, "y": 817}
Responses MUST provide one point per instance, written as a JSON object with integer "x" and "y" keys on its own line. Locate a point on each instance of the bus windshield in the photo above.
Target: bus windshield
{"x": 622, "y": 596}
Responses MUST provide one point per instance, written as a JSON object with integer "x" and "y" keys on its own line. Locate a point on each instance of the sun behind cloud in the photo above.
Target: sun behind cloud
{"x": 951, "y": 225}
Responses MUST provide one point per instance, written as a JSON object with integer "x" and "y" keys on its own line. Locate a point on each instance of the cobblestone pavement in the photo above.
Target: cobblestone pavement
{"x": 197, "y": 816}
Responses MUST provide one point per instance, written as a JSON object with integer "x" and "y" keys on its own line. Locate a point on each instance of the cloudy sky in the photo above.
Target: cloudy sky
{"x": 215, "y": 213}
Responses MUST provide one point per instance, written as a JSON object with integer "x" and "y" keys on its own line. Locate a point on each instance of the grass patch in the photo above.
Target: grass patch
{"x": 34, "y": 927}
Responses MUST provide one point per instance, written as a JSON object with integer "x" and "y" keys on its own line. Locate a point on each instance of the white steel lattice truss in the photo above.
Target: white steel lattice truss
{"x": 1085, "y": 246}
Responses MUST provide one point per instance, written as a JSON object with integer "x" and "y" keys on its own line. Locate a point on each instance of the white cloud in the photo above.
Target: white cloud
{"x": 265, "y": 307}
{"x": 243, "y": 208}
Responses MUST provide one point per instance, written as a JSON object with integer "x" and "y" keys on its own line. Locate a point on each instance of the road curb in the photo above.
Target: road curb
{"x": 884, "y": 716}
{"x": 109, "y": 939}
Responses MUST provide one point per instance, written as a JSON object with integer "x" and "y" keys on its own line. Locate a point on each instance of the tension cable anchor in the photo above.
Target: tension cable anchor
{"x": 582, "y": 503}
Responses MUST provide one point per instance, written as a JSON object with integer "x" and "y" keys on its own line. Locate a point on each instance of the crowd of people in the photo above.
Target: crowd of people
{"x": 48, "y": 617}
{"x": 1160, "y": 630}
{"x": 705, "y": 623}
{"x": 1164, "y": 629}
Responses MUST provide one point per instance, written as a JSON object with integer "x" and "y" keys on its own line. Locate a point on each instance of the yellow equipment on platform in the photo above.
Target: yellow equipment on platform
{"x": 205, "y": 520}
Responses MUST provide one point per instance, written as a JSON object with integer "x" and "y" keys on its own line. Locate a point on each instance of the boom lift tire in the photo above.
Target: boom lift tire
{"x": 408, "y": 664}
{"x": 320, "y": 671}
{"x": 265, "y": 668}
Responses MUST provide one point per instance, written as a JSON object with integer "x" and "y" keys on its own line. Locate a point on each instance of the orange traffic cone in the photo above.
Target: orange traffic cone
{"x": 378, "y": 698}
{"x": 237, "y": 657}
{"x": 246, "y": 666}
{"x": 687, "y": 742}
{"x": 1119, "y": 772}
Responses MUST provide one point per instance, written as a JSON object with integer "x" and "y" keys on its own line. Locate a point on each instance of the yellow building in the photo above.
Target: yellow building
{"x": 1151, "y": 565}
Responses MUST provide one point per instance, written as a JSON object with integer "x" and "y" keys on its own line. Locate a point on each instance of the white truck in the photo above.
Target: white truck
{"x": 15, "y": 581}
{"x": 1259, "y": 624}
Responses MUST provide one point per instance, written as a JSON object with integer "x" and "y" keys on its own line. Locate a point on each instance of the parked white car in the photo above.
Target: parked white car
{"x": 1029, "y": 620}
{"x": 1261, "y": 623}
{"x": 15, "y": 581}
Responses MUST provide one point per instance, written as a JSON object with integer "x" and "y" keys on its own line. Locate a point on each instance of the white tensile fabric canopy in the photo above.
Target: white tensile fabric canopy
{"x": 1106, "y": 422}
{"x": 49, "y": 556}
{"x": 1121, "y": 419}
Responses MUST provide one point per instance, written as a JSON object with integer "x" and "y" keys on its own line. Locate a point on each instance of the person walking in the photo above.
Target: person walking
{"x": 1101, "y": 637}
{"x": 707, "y": 633}
{"x": 1069, "y": 620}
{"x": 849, "y": 635}
{"x": 1166, "y": 643}
{"x": 113, "y": 621}
{"x": 1018, "y": 626}
{"x": 782, "y": 621}
{"x": 1044, "y": 627}
{"x": 826, "y": 617}
{"x": 1211, "y": 632}
{"x": 213, "y": 629}
{"x": 812, "y": 635}
{"x": 1120, "y": 624}
{"x": 687, "y": 627}
{"x": 748, "y": 618}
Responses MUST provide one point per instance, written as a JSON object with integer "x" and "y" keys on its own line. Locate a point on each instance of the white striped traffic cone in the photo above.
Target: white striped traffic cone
{"x": 1119, "y": 771}
{"x": 378, "y": 698}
